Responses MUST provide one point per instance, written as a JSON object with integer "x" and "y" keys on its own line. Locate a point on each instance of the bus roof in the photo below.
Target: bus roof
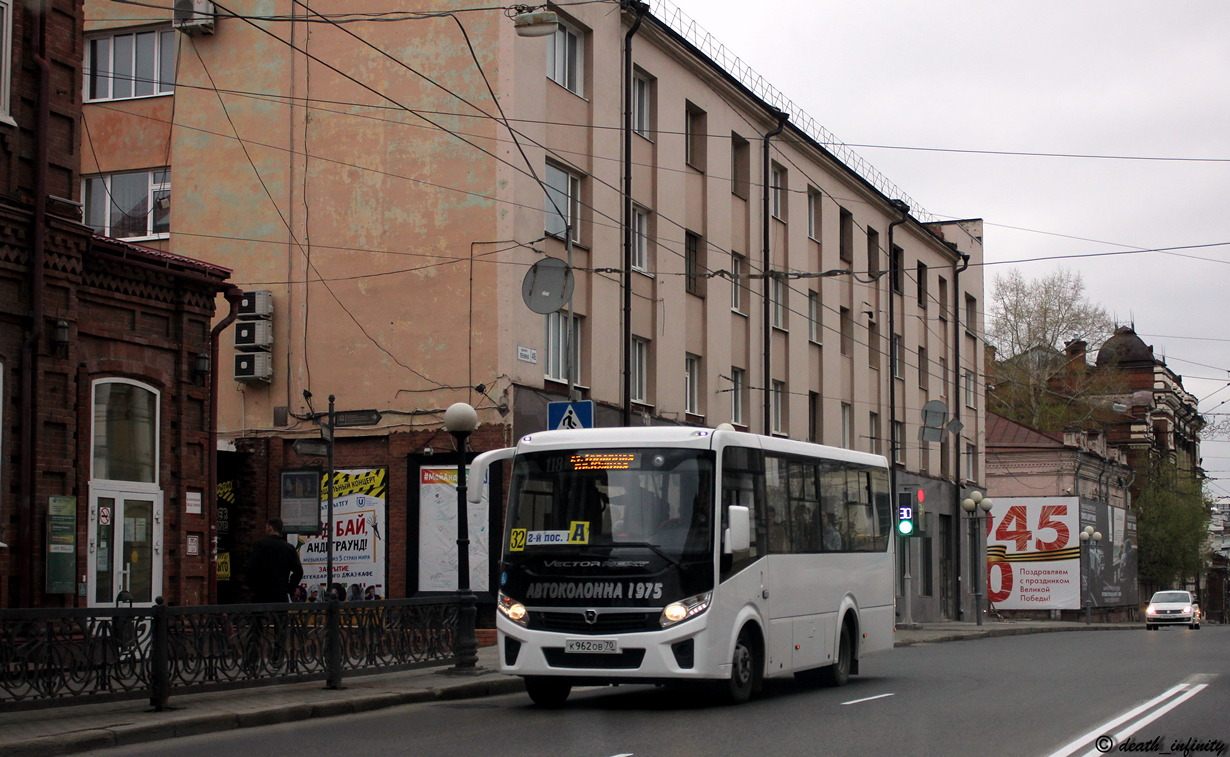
{"x": 686, "y": 436}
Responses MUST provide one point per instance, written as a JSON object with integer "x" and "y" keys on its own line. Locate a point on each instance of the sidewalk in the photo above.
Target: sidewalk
{"x": 70, "y": 729}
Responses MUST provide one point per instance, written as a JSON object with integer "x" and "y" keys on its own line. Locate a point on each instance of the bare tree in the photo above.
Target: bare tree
{"x": 1047, "y": 312}
{"x": 1040, "y": 330}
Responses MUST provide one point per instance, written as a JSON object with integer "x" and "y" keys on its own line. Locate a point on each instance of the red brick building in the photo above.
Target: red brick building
{"x": 105, "y": 430}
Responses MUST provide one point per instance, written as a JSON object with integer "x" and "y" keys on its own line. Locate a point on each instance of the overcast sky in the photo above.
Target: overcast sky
{"x": 1117, "y": 78}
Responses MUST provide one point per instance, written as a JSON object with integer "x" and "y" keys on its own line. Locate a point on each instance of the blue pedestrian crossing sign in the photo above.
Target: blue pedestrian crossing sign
{"x": 570, "y": 415}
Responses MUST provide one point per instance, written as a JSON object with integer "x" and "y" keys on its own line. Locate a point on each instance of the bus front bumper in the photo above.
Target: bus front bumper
{"x": 682, "y": 652}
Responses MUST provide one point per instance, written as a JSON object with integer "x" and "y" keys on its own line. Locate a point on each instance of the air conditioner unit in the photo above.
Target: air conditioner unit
{"x": 253, "y": 366}
{"x": 256, "y": 304}
{"x": 253, "y": 336}
{"x": 193, "y": 17}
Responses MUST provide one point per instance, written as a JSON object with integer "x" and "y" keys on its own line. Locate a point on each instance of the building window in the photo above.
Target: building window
{"x": 924, "y": 370}
{"x": 125, "y": 439}
{"x": 565, "y": 55}
{"x": 641, "y": 105}
{"x": 873, "y": 346}
{"x": 873, "y": 428}
{"x": 897, "y": 263}
{"x": 971, "y": 462}
{"x": 640, "y": 239}
{"x": 133, "y": 205}
{"x": 640, "y": 370}
{"x": 691, "y": 385}
{"x": 777, "y": 402}
{"x": 738, "y": 274}
{"x": 845, "y": 246}
{"x": 133, "y": 64}
{"x": 740, "y": 165}
{"x": 898, "y": 357}
{"x": 813, "y": 316}
{"x": 694, "y": 264}
{"x": 943, "y": 369}
{"x": 738, "y": 385}
{"x": 941, "y": 296}
{"x": 971, "y": 391}
{"x": 814, "y": 419}
{"x": 847, "y": 425}
{"x": 847, "y": 332}
{"x": 6, "y": 57}
{"x": 923, "y": 295}
{"x": 563, "y": 202}
{"x": 777, "y": 301}
{"x": 777, "y": 186}
{"x": 695, "y": 124}
{"x": 898, "y": 447}
{"x": 971, "y": 314}
{"x": 558, "y": 356}
{"x": 873, "y": 252}
{"x": 813, "y": 213}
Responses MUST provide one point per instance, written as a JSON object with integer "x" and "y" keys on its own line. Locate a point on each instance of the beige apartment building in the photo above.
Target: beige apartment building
{"x": 390, "y": 178}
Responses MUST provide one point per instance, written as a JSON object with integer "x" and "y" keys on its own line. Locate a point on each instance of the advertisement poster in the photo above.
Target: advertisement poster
{"x": 359, "y": 538}
{"x": 438, "y": 533}
{"x": 1111, "y": 564}
{"x": 1033, "y": 553}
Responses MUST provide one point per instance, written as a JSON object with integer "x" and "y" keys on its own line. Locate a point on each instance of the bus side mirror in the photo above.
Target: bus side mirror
{"x": 738, "y": 531}
{"x": 476, "y": 477}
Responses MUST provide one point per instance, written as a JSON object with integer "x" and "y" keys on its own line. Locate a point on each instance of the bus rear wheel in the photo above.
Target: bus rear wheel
{"x": 838, "y": 673}
{"x": 550, "y": 693}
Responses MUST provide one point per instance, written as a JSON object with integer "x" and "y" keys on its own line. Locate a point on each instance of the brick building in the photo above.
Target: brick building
{"x": 104, "y": 360}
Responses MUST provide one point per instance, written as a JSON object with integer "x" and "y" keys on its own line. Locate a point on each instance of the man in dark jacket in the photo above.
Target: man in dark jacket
{"x": 274, "y": 569}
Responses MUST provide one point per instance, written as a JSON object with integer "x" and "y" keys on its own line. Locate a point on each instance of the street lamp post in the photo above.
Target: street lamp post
{"x": 460, "y": 420}
{"x": 977, "y": 506}
{"x": 1089, "y": 539}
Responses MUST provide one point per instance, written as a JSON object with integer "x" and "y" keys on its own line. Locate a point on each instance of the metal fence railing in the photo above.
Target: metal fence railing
{"x": 50, "y": 656}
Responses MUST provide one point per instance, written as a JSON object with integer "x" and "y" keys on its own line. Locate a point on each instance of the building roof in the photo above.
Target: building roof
{"x": 161, "y": 257}
{"x": 1002, "y": 433}
{"x": 1125, "y": 347}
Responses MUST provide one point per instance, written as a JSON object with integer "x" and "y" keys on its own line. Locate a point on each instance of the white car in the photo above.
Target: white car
{"x": 1174, "y": 607}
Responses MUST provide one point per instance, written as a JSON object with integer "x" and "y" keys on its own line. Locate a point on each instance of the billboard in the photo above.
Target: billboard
{"x": 1033, "y": 553}
{"x": 359, "y": 537}
{"x": 1035, "y": 559}
{"x": 438, "y": 533}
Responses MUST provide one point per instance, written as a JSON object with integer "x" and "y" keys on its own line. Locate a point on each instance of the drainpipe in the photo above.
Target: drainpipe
{"x": 956, "y": 388}
{"x": 894, "y": 272}
{"x": 640, "y": 9}
{"x": 767, "y": 267}
{"x": 233, "y": 296}
{"x": 34, "y": 336}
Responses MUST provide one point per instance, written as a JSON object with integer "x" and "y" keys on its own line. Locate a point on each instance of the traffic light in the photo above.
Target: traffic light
{"x": 909, "y": 510}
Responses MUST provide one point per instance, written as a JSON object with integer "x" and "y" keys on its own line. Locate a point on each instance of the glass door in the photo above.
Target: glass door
{"x": 125, "y": 548}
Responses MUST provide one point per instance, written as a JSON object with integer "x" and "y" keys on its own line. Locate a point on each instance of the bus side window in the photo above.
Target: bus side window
{"x": 743, "y": 484}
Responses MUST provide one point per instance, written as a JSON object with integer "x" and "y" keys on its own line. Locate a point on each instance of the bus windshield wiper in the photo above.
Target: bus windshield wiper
{"x": 652, "y": 547}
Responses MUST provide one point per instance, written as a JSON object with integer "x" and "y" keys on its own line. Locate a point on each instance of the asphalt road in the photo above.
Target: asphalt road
{"x": 1052, "y": 694}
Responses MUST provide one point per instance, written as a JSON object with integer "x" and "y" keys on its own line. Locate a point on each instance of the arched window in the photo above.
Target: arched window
{"x": 125, "y": 435}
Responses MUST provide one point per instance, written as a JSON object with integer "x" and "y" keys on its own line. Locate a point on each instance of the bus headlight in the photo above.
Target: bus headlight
{"x": 512, "y": 609}
{"x": 677, "y": 612}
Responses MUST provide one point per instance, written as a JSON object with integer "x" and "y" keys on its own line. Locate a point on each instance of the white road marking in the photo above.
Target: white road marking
{"x": 1182, "y": 692}
{"x": 865, "y": 699}
{"x": 1121, "y": 735}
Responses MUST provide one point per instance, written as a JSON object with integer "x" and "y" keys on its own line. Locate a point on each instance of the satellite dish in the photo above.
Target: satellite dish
{"x": 547, "y": 286}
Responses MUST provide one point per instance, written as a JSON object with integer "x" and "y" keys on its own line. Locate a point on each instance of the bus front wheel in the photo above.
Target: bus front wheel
{"x": 742, "y": 681}
{"x": 547, "y": 692}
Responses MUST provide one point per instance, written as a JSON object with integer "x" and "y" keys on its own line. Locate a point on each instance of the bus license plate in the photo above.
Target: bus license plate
{"x": 592, "y": 646}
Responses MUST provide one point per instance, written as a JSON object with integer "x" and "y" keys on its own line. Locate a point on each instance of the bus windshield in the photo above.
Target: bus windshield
{"x": 655, "y": 498}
